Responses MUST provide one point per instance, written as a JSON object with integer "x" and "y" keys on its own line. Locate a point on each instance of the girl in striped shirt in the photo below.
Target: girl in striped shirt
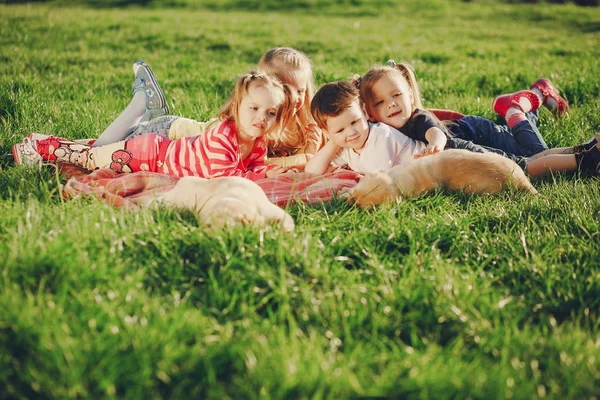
{"x": 291, "y": 144}
{"x": 236, "y": 147}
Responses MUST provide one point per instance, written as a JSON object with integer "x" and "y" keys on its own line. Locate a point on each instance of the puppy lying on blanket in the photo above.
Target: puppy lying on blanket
{"x": 454, "y": 169}
{"x": 226, "y": 201}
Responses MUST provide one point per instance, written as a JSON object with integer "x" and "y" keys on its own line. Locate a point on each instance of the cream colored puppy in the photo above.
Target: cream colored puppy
{"x": 226, "y": 201}
{"x": 454, "y": 169}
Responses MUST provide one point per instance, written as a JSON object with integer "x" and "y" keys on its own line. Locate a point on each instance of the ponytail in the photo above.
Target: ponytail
{"x": 409, "y": 74}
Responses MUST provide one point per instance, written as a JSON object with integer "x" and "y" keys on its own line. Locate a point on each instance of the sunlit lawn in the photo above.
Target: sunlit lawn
{"x": 440, "y": 296}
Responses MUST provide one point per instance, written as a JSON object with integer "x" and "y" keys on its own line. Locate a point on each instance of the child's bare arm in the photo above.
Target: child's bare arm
{"x": 314, "y": 139}
{"x": 321, "y": 161}
{"x": 287, "y": 161}
{"x": 437, "y": 141}
{"x": 272, "y": 172}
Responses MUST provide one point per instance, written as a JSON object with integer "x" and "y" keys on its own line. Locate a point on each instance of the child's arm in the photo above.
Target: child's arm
{"x": 287, "y": 161}
{"x": 314, "y": 139}
{"x": 320, "y": 162}
{"x": 254, "y": 173}
{"x": 436, "y": 142}
{"x": 220, "y": 157}
{"x": 257, "y": 164}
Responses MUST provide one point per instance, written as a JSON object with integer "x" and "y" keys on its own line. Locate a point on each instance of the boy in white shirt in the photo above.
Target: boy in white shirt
{"x": 353, "y": 141}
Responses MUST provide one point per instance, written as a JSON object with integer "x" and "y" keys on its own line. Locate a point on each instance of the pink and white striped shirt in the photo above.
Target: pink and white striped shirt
{"x": 215, "y": 153}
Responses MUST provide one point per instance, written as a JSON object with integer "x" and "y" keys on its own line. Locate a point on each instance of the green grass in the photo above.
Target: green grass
{"x": 441, "y": 296}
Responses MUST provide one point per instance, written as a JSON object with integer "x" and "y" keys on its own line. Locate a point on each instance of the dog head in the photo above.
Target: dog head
{"x": 374, "y": 188}
{"x": 227, "y": 201}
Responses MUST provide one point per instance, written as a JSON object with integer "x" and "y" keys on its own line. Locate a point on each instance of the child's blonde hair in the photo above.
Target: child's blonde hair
{"x": 286, "y": 64}
{"x": 229, "y": 110}
{"x": 376, "y": 73}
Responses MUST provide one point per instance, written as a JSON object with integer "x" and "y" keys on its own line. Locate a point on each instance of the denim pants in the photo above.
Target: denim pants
{"x": 159, "y": 126}
{"x": 523, "y": 140}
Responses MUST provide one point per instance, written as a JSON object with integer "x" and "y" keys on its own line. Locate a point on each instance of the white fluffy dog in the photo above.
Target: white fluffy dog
{"x": 226, "y": 201}
{"x": 453, "y": 169}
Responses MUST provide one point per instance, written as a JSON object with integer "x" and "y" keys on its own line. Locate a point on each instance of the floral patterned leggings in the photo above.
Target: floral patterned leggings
{"x": 141, "y": 153}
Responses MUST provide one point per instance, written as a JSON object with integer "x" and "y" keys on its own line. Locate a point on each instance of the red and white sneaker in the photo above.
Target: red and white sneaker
{"x": 526, "y": 100}
{"x": 552, "y": 99}
{"x": 26, "y": 152}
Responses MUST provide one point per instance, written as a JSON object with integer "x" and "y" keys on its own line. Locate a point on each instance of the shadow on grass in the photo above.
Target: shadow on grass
{"x": 330, "y": 7}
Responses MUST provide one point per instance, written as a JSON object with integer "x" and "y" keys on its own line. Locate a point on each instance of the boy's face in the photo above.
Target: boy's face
{"x": 350, "y": 129}
{"x": 392, "y": 100}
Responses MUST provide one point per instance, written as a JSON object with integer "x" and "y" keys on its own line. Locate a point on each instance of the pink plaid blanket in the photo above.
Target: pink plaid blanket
{"x": 137, "y": 189}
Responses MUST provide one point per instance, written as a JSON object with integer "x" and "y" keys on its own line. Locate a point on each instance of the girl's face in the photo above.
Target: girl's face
{"x": 300, "y": 86}
{"x": 392, "y": 101}
{"x": 257, "y": 112}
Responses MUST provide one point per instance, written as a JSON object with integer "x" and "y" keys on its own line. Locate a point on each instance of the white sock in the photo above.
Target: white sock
{"x": 511, "y": 111}
{"x": 550, "y": 102}
{"x": 124, "y": 124}
{"x": 540, "y": 94}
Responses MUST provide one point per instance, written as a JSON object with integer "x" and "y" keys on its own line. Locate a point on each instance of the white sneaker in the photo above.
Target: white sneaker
{"x": 26, "y": 153}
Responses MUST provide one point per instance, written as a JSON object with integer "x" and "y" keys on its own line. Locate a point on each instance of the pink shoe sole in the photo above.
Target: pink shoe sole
{"x": 16, "y": 154}
{"x": 549, "y": 90}
{"x": 526, "y": 100}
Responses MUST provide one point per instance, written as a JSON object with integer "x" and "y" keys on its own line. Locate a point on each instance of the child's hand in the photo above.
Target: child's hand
{"x": 430, "y": 149}
{"x": 313, "y": 139}
{"x": 276, "y": 171}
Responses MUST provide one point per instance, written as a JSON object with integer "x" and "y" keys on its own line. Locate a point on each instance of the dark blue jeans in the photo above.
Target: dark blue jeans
{"x": 523, "y": 140}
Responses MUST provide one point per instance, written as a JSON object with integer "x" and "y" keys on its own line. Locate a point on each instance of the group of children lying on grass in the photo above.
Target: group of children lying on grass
{"x": 273, "y": 123}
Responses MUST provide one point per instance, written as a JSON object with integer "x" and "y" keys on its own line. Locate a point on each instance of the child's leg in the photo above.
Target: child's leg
{"x": 57, "y": 149}
{"x": 551, "y": 163}
{"x": 587, "y": 162}
{"x": 138, "y": 154}
{"x": 456, "y": 143}
{"x": 580, "y": 148}
{"x": 148, "y": 102}
{"x": 556, "y": 150}
{"x": 125, "y": 123}
{"x": 520, "y": 113}
{"x": 527, "y": 135}
{"x": 159, "y": 126}
{"x": 485, "y": 133}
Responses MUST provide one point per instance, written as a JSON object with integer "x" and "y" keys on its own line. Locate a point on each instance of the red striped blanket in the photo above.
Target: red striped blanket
{"x": 136, "y": 189}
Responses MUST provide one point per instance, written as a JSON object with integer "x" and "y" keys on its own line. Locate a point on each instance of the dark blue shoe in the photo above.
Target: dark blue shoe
{"x": 589, "y": 161}
{"x": 587, "y": 145}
